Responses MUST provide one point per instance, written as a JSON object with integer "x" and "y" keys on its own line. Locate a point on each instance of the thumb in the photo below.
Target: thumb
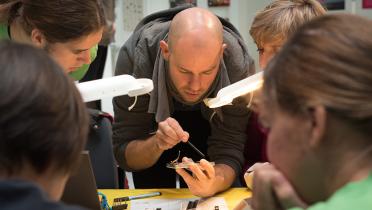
{"x": 185, "y": 136}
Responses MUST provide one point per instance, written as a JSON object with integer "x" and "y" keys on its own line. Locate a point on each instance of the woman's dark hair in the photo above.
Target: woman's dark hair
{"x": 43, "y": 121}
{"x": 59, "y": 21}
{"x": 327, "y": 62}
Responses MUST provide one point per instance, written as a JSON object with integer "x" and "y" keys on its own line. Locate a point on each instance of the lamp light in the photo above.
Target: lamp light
{"x": 114, "y": 86}
{"x": 227, "y": 94}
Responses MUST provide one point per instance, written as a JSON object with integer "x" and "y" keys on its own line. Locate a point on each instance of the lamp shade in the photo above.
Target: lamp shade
{"x": 114, "y": 86}
{"x": 227, "y": 94}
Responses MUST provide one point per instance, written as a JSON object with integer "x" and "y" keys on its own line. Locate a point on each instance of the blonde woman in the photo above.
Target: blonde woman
{"x": 273, "y": 25}
{"x": 270, "y": 29}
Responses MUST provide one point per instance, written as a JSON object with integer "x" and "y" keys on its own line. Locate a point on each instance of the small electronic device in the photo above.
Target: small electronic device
{"x": 176, "y": 165}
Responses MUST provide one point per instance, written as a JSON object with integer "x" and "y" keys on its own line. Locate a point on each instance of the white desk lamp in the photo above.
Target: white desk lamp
{"x": 227, "y": 94}
{"x": 114, "y": 86}
{"x": 128, "y": 85}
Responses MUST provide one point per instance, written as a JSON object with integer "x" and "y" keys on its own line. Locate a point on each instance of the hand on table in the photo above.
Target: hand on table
{"x": 201, "y": 182}
{"x": 169, "y": 134}
{"x": 271, "y": 190}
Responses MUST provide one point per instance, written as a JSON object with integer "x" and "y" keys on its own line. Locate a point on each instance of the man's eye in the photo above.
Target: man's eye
{"x": 207, "y": 72}
{"x": 184, "y": 71}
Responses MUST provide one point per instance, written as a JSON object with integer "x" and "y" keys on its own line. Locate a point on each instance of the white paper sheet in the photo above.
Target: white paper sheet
{"x": 179, "y": 204}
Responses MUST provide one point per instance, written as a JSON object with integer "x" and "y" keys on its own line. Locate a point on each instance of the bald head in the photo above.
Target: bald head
{"x": 194, "y": 51}
{"x": 196, "y": 24}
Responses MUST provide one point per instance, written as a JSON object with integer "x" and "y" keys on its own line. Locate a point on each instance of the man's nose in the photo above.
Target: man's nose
{"x": 195, "y": 83}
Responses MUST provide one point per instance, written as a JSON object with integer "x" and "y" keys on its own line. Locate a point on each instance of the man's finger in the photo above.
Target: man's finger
{"x": 208, "y": 168}
{"x": 181, "y": 134}
{"x": 189, "y": 180}
{"x": 165, "y": 128}
{"x": 165, "y": 142}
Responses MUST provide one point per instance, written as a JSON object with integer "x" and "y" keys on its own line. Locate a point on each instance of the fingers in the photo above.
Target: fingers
{"x": 248, "y": 175}
{"x": 207, "y": 169}
{"x": 167, "y": 130}
{"x": 202, "y": 171}
{"x": 287, "y": 196}
{"x": 186, "y": 136}
{"x": 180, "y": 133}
{"x": 189, "y": 179}
{"x": 202, "y": 181}
{"x": 263, "y": 196}
{"x": 271, "y": 190}
{"x": 248, "y": 178}
{"x": 169, "y": 134}
{"x": 185, "y": 175}
{"x": 163, "y": 141}
{"x": 256, "y": 165}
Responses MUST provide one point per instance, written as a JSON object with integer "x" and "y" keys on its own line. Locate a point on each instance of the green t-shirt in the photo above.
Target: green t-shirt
{"x": 76, "y": 75}
{"x": 4, "y": 32}
{"x": 353, "y": 196}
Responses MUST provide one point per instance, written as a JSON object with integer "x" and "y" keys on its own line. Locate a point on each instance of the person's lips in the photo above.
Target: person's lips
{"x": 192, "y": 93}
{"x": 192, "y": 96}
{"x": 73, "y": 68}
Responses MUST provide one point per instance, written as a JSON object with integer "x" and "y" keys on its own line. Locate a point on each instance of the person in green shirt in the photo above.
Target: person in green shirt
{"x": 316, "y": 104}
{"x": 68, "y": 30}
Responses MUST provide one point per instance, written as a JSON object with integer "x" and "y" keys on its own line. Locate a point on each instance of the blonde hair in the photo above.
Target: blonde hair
{"x": 327, "y": 62}
{"x": 281, "y": 18}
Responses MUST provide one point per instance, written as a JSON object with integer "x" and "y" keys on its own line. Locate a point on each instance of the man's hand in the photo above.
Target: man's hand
{"x": 271, "y": 190}
{"x": 144, "y": 154}
{"x": 203, "y": 180}
{"x": 169, "y": 134}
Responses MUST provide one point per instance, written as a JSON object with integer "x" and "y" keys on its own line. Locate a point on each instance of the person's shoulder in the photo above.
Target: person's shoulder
{"x": 62, "y": 206}
{"x": 4, "y": 31}
{"x": 355, "y": 195}
{"x": 239, "y": 64}
{"x": 145, "y": 39}
{"x": 18, "y": 195}
{"x": 154, "y": 31}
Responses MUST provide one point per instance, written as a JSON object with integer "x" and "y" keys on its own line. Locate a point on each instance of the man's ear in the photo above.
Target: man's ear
{"x": 164, "y": 50}
{"x": 318, "y": 116}
{"x": 223, "y": 47}
{"x": 38, "y": 38}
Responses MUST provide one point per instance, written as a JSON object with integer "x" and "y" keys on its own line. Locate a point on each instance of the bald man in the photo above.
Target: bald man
{"x": 190, "y": 54}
